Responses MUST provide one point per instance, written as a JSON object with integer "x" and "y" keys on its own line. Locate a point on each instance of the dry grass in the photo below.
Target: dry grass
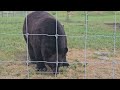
{"x": 95, "y": 68}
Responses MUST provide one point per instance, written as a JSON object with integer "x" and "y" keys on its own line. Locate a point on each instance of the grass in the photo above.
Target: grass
{"x": 13, "y": 47}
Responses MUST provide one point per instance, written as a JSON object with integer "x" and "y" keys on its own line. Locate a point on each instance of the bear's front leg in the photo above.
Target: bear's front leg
{"x": 41, "y": 66}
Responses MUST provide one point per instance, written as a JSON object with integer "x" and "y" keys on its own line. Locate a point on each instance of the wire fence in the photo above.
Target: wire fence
{"x": 93, "y": 45}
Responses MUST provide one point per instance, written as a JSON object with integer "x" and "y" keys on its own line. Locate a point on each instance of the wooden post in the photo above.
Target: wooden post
{"x": 7, "y": 13}
{"x": 2, "y": 13}
{"x": 67, "y": 17}
{"x": 13, "y": 13}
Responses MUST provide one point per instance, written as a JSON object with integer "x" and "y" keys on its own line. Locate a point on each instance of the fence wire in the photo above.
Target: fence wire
{"x": 86, "y": 37}
{"x": 27, "y": 35}
{"x": 86, "y": 30}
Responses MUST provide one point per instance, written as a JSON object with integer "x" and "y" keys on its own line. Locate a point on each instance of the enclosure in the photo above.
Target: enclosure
{"x": 93, "y": 39}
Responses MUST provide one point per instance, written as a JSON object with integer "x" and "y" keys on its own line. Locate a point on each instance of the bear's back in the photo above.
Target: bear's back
{"x": 41, "y": 22}
{"x": 37, "y": 21}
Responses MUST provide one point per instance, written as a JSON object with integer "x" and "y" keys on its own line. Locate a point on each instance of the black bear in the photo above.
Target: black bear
{"x": 46, "y": 41}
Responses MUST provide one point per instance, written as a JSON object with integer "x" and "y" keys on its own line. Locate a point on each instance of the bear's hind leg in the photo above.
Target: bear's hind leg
{"x": 40, "y": 62}
{"x": 31, "y": 53}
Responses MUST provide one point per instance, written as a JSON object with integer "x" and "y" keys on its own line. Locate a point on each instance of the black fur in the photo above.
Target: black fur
{"x": 43, "y": 47}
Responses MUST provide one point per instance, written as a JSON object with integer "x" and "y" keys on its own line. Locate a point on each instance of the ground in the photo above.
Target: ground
{"x": 94, "y": 68}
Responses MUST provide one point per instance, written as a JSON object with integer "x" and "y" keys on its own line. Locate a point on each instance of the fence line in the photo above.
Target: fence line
{"x": 27, "y": 45}
{"x": 79, "y": 62}
{"x": 86, "y": 29}
{"x": 85, "y": 36}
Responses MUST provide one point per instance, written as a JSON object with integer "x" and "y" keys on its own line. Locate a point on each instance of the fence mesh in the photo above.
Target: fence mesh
{"x": 93, "y": 39}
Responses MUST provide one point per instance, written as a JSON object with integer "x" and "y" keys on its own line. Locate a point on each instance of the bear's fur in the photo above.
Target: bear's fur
{"x": 43, "y": 47}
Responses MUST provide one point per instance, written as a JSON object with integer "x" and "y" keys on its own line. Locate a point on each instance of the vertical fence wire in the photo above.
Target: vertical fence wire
{"x": 27, "y": 35}
{"x": 114, "y": 37}
{"x": 113, "y": 70}
{"x": 56, "y": 36}
{"x": 115, "y": 33}
{"x": 85, "y": 42}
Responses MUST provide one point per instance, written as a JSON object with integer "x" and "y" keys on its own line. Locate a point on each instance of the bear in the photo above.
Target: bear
{"x": 46, "y": 40}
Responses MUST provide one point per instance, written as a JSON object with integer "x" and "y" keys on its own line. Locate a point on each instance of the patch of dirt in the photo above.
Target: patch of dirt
{"x": 13, "y": 70}
{"x": 113, "y": 24}
{"x": 71, "y": 21}
{"x": 21, "y": 56}
{"x": 76, "y": 54}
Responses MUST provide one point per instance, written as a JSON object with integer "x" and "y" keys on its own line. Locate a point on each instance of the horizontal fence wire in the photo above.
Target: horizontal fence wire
{"x": 106, "y": 36}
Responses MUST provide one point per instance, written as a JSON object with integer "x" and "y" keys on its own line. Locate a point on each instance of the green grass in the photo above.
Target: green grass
{"x": 10, "y": 44}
